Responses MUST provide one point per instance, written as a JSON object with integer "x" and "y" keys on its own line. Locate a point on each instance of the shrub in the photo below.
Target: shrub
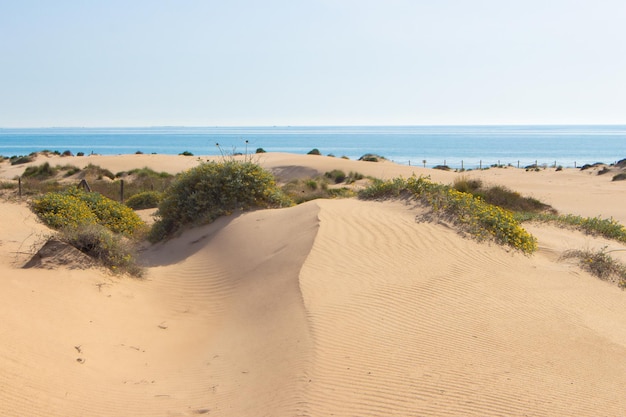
{"x": 336, "y": 175}
{"x": 620, "y": 177}
{"x": 599, "y": 264}
{"x": 95, "y": 171}
{"x": 314, "y": 151}
{"x": 74, "y": 208}
{"x": 40, "y": 172}
{"x": 80, "y": 154}
{"x": 260, "y": 150}
{"x": 145, "y": 200}
{"x": 608, "y": 228}
{"x": 67, "y": 153}
{"x": 470, "y": 214}
{"x": 442, "y": 167}
{"x": 63, "y": 210}
{"x": 370, "y": 157}
{"x": 465, "y": 184}
{"x": 214, "y": 189}
{"x": 17, "y": 160}
{"x": 186, "y": 153}
{"x": 110, "y": 249}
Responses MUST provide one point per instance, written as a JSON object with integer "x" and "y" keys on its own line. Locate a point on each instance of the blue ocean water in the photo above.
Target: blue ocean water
{"x": 455, "y": 146}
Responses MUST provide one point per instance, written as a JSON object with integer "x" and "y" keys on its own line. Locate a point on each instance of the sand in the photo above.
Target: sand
{"x": 333, "y": 307}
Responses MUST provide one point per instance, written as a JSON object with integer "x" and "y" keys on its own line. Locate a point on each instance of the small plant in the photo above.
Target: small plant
{"x": 314, "y": 151}
{"x": 17, "y": 160}
{"x": 186, "y": 153}
{"x": 80, "y": 154}
{"x": 110, "y": 249}
{"x": 336, "y": 175}
{"x": 97, "y": 172}
{"x": 599, "y": 264}
{"x": 370, "y": 157}
{"x": 41, "y": 172}
{"x": 620, "y": 177}
{"x": 145, "y": 200}
{"x": 260, "y": 150}
{"x": 442, "y": 167}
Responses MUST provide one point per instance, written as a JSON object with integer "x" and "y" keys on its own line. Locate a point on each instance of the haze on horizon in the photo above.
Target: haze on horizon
{"x": 319, "y": 62}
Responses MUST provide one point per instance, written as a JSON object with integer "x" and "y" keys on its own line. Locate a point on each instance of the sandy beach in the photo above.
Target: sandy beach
{"x": 334, "y": 307}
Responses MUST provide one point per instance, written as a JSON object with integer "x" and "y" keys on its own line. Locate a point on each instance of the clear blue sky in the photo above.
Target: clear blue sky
{"x": 316, "y": 62}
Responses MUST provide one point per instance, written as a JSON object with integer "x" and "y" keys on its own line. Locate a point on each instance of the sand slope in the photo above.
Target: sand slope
{"x": 334, "y": 307}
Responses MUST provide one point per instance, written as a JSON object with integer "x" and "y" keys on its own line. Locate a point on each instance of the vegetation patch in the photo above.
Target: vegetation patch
{"x": 470, "y": 214}
{"x": 17, "y": 160}
{"x": 40, "y": 172}
{"x": 145, "y": 200}
{"x": 370, "y": 157}
{"x": 600, "y": 264}
{"x": 74, "y": 207}
{"x": 597, "y": 226}
{"x": 620, "y": 177}
{"x": 214, "y": 189}
{"x": 110, "y": 249}
{"x": 94, "y": 224}
{"x": 501, "y": 196}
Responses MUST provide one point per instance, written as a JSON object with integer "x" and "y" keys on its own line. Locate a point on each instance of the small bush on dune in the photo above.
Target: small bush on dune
{"x": 94, "y": 224}
{"x": 110, "y": 249}
{"x": 314, "y": 151}
{"x": 75, "y": 207}
{"x": 599, "y": 264}
{"x": 370, "y": 157}
{"x": 470, "y": 214}
{"x": 145, "y": 200}
{"x": 17, "y": 160}
{"x": 620, "y": 177}
{"x": 40, "y": 172}
{"x": 336, "y": 175}
{"x": 97, "y": 172}
{"x": 214, "y": 189}
{"x": 500, "y": 196}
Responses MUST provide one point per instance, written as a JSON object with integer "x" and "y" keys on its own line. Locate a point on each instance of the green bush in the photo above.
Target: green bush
{"x": 600, "y": 264}
{"x": 370, "y": 157}
{"x": 17, "y": 160}
{"x": 620, "y": 177}
{"x": 75, "y": 207}
{"x": 214, "y": 189}
{"x": 470, "y": 214}
{"x": 40, "y": 172}
{"x": 110, "y": 249}
{"x": 337, "y": 175}
{"x": 145, "y": 200}
{"x": 314, "y": 151}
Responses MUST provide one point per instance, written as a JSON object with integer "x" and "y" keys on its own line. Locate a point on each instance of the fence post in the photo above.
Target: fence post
{"x": 122, "y": 191}
{"x": 19, "y": 187}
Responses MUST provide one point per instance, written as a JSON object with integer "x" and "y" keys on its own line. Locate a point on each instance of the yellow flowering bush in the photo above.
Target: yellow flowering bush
{"x": 75, "y": 207}
{"x": 471, "y": 214}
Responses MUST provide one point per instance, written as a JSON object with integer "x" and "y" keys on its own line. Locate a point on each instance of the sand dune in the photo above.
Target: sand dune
{"x": 333, "y": 307}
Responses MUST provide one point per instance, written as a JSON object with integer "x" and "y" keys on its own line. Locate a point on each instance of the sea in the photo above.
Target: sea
{"x": 467, "y": 147}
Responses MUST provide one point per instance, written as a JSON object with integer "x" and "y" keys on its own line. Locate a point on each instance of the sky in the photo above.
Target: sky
{"x": 311, "y": 62}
